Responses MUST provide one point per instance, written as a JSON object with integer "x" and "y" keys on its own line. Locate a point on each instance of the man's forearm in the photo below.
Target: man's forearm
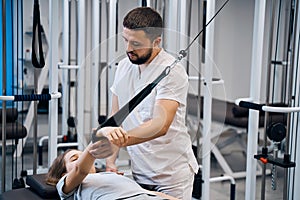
{"x": 147, "y": 131}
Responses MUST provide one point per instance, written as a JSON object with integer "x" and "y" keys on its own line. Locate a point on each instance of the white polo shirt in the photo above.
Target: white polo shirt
{"x": 169, "y": 158}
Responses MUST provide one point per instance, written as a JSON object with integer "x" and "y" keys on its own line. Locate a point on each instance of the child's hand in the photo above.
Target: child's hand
{"x": 101, "y": 149}
{"x": 113, "y": 168}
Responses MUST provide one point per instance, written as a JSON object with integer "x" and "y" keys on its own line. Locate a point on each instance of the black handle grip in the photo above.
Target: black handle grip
{"x": 250, "y": 105}
{"x": 232, "y": 191}
{"x": 98, "y": 136}
{"x": 33, "y": 97}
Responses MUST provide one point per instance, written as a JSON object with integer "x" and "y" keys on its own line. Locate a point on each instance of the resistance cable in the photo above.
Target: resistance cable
{"x": 120, "y": 116}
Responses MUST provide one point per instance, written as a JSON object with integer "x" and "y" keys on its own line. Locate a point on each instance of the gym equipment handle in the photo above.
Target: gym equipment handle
{"x": 32, "y": 97}
{"x": 260, "y": 107}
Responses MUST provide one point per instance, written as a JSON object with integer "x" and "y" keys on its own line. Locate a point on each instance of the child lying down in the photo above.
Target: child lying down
{"x": 75, "y": 177}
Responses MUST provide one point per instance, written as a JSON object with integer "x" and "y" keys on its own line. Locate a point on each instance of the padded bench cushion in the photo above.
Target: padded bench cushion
{"x": 14, "y": 130}
{"x": 22, "y": 193}
{"x": 229, "y": 113}
{"x": 11, "y": 114}
{"x": 38, "y": 184}
{"x": 37, "y": 190}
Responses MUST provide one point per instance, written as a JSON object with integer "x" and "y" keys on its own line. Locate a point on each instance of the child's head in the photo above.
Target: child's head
{"x": 63, "y": 164}
{"x": 57, "y": 169}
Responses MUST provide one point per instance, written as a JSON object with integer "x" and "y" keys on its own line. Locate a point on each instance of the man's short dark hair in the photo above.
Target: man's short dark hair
{"x": 146, "y": 19}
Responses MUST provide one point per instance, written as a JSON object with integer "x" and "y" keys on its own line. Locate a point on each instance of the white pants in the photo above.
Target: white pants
{"x": 181, "y": 190}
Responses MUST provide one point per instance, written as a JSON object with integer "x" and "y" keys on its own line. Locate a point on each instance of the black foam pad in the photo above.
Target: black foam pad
{"x": 11, "y": 114}
{"x": 229, "y": 113}
{"x": 38, "y": 184}
{"x": 239, "y": 111}
{"x": 14, "y": 130}
{"x": 22, "y": 193}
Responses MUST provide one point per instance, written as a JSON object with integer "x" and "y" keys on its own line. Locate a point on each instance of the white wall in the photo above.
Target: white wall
{"x": 233, "y": 46}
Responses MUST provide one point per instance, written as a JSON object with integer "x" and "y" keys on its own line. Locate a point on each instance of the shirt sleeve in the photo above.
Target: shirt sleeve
{"x": 59, "y": 187}
{"x": 174, "y": 86}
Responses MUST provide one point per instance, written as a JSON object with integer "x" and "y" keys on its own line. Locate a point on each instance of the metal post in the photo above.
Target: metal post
{"x": 65, "y": 73}
{"x": 183, "y": 25}
{"x": 96, "y": 48}
{"x": 207, "y": 103}
{"x": 201, "y": 61}
{"x": 81, "y": 74}
{"x": 256, "y": 66}
{"x": 293, "y": 78}
{"x": 53, "y": 78}
{"x": 171, "y": 34}
{"x": 35, "y": 122}
{"x": 4, "y": 94}
{"x": 111, "y": 43}
{"x": 268, "y": 83}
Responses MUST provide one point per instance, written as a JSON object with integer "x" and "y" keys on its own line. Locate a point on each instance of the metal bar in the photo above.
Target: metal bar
{"x": 201, "y": 25}
{"x": 107, "y": 58}
{"x": 35, "y": 122}
{"x": 53, "y": 79}
{"x": 222, "y": 178}
{"x": 188, "y": 31}
{"x": 290, "y": 96}
{"x": 68, "y": 144}
{"x": 214, "y": 81}
{"x": 62, "y": 66}
{"x": 111, "y": 53}
{"x": 293, "y": 177}
{"x": 81, "y": 73}
{"x": 254, "y": 106}
{"x": 54, "y": 95}
{"x": 4, "y": 93}
{"x": 65, "y": 73}
{"x": 184, "y": 23}
{"x": 207, "y": 102}
{"x": 268, "y": 85}
{"x": 256, "y": 62}
{"x": 280, "y": 109}
{"x": 96, "y": 48}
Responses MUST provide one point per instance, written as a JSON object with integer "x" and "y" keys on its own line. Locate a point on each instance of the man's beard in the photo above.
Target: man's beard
{"x": 141, "y": 59}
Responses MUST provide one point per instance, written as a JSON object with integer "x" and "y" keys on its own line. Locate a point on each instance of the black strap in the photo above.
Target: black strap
{"x": 120, "y": 116}
{"x": 144, "y": 3}
{"x": 37, "y": 46}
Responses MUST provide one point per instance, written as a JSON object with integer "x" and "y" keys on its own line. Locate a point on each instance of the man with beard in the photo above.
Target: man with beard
{"x": 155, "y": 133}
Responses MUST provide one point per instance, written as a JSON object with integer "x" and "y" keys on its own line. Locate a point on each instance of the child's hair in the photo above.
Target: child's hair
{"x": 57, "y": 169}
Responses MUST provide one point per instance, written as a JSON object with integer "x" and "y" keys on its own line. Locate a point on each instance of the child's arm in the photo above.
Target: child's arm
{"x": 85, "y": 162}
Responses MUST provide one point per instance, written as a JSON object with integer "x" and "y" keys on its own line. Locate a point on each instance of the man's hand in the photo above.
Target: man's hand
{"x": 115, "y": 135}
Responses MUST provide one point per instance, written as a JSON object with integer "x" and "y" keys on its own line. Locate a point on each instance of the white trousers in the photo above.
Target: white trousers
{"x": 181, "y": 190}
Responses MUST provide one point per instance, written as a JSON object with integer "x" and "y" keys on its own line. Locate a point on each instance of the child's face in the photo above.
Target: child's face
{"x": 71, "y": 159}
